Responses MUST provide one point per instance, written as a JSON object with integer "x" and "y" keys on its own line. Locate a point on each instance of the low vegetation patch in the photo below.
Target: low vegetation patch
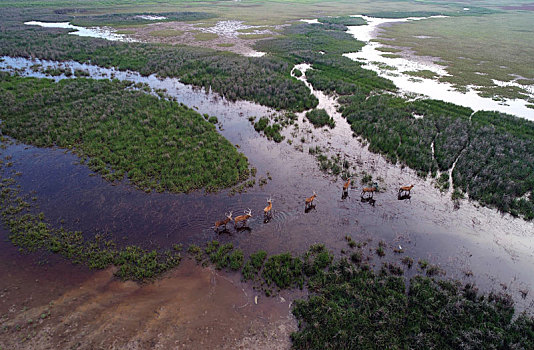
{"x": 126, "y": 19}
{"x": 272, "y": 131}
{"x": 352, "y": 306}
{"x": 319, "y": 118}
{"x": 494, "y": 151}
{"x": 254, "y": 36}
{"x": 166, "y": 33}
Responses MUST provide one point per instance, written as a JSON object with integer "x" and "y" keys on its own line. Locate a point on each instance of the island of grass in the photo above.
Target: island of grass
{"x": 121, "y": 132}
{"x": 271, "y": 131}
{"x": 319, "y": 118}
{"x": 343, "y": 21}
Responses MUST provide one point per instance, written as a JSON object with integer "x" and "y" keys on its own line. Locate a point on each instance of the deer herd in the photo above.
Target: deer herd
{"x": 366, "y": 195}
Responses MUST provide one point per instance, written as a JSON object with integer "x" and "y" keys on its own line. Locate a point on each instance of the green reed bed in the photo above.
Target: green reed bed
{"x": 121, "y": 132}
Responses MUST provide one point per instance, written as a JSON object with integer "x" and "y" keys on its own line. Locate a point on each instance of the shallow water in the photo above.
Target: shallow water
{"x": 373, "y": 60}
{"x": 496, "y": 248}
{"x": 93, "y": 32}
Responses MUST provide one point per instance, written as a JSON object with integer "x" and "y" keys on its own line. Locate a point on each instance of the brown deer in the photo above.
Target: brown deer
{"x": 243, "y": 218}
{"x": 405, "y": 189}
{"x": 309, "y": 201}
{"x": 346, "y": 185}
{"x": 370, "y": 190}
{"x": 223, "y": 222}
{"x": 267, "y": 212}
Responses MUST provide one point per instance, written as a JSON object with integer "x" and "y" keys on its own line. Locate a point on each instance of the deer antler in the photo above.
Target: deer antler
{"x": 249, "y": 212}
{"x": 229, "y": 215}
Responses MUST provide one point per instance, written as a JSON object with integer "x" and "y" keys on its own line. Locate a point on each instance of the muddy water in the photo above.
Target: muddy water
{"x": 497, "y": 249}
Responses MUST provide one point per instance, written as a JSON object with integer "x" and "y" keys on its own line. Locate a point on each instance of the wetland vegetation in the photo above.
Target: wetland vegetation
{"x": 121, "y": 132}
{"x": 494, "y": 151}
{"x": 353, "y": 305}
{"x": 263, "y": 80}
{"x": 389, "y": 123}
{"x": 132, "y": 19}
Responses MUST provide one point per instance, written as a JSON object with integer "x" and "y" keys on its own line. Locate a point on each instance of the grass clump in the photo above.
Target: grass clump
{"x": 254, "y": 264}
{"x": 283, "y": 270}
{"x": 319, "y": 118}
{"x": 272, "y": 132}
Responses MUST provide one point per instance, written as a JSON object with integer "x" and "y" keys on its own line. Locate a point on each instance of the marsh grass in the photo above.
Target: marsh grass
{"x": 121, "y": 132}
{"x": 127, "y": 19}
{"x": 500, "y": 180}
{"x": 320, "y": 118}
{"x": 255, "y": 36}
{"x": 352, "y": 305}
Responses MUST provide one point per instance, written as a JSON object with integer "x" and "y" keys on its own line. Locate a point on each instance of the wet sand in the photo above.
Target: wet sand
{"x": 188, "y": 308}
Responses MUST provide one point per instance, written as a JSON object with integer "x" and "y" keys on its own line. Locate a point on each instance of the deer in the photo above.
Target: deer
{"x": 346, "y": 187}
{"x": 223, "y": 222}
{"x": 267, "y": 212}
{"x": 309, "y": 201}
{"x": 370, "y": 190}
{"x": 243, "y": 218}
{"x": 405, "y": 189}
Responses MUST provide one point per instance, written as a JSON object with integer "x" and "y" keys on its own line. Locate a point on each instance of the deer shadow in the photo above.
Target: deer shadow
{"x": 344, "y": 195}
{"x": 369, "y": 200}
{"x": 224, "y": 231}
{"x": 404, "y": 196}
{"x": 309, "y": 208}
{"x": 243, "y": 229}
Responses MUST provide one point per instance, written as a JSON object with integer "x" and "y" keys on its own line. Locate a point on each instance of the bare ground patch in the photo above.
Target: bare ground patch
{"x": 190, "y": 307}
{"x": 223, "y": 36}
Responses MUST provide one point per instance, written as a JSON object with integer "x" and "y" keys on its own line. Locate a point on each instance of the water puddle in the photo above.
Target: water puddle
{"x": 396, "y": 68}
{"x": 495, "y": 248}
